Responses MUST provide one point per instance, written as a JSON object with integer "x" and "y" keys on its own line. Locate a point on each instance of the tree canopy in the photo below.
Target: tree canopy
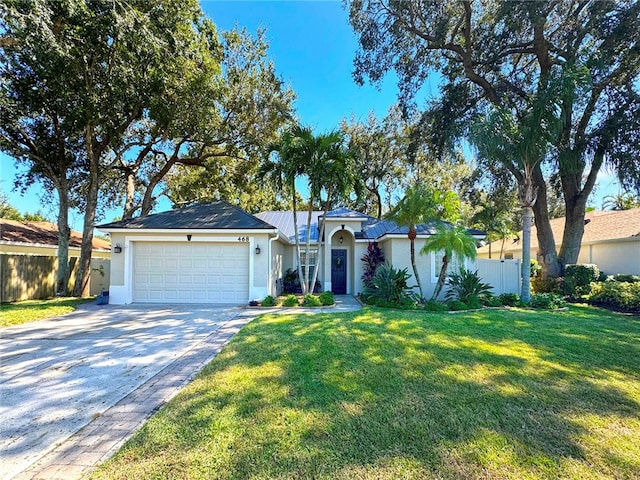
{"x": 505, "y": 55}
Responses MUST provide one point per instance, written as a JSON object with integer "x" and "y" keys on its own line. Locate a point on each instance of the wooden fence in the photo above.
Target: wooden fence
{"x": 33, "y": 277}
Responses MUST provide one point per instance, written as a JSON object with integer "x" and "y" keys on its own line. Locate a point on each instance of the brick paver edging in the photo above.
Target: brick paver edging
{"x": 104, "y": 435}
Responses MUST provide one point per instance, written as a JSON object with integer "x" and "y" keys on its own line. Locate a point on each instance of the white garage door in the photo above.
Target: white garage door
{"x": 191, "y": 272}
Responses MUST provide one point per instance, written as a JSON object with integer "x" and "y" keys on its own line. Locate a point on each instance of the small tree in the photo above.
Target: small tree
{"x": 372, "y": 260}
{"x": 454, "y": 241}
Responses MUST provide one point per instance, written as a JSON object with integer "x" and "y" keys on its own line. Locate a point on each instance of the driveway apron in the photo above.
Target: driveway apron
{"x": 58, "y": 375}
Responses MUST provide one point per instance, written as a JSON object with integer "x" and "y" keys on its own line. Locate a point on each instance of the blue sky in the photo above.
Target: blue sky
{"x": 312, "y": 47}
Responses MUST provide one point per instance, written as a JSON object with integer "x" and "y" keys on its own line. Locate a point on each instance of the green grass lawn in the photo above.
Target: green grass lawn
{"x": 388, "y": 395}
{"x": 30, "y": 310}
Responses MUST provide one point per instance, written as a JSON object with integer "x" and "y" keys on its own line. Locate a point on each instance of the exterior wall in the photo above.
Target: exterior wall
{"x": 278, "y": 252}
{"x": 398, "y": 252}
{"x": 360, "y": 249}
{"x": 120, "y": 289}
{"x": 611, "y": 257}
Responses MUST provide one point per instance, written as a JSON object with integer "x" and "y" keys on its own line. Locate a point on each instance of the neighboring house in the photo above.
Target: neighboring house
{"x": 41, "y": 238}
{"x": 611, "y": 240}
{"x": 28, "y": 260}
{"x": 218, "y": 253}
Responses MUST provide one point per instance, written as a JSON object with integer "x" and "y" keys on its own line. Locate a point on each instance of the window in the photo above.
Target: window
{"x": 309, "y": 263}
{"x": 436, "y": 264}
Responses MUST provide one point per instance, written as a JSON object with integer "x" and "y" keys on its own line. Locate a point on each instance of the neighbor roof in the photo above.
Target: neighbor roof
{"x": 42, "y": 233}
{"x": 202, "y": 216}
{"x": 600, "y": 226}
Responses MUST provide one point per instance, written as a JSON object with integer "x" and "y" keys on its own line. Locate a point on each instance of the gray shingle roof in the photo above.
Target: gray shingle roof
{"x": 204, "y": 216}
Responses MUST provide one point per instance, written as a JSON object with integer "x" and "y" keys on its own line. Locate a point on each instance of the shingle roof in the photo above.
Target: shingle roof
{"x": 42, "y": 233}
{"x": 600, "y": 226}
{"x": 202, "y": 216}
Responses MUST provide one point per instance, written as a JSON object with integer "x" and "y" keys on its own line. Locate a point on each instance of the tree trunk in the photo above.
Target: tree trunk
{"x": 527, "y": 218}
{"x": 546, "y": 242}
{"x": 294, "y": 204}
{"x": 489, "y": 248}
{"x": 572, "y": 236}
{"x": 412, "y": 242}
{"x": 305, "y": 284}
{"x": 81, "y": 287}
{"x": 319, "y": 257}
{"x": 64, "y": 233}
{"x": 441, "y": 278}
{"x": 129, "y": 207}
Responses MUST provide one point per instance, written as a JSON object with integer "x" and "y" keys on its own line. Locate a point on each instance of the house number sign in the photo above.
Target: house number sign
{"x": 243, "y": 239}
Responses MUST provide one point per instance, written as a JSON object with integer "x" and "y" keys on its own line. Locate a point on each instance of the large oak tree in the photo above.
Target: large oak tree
{"x": 501, "y": 54}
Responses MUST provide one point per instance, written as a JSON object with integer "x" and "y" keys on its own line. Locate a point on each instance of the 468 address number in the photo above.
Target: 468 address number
{"x": 243, "y": 239}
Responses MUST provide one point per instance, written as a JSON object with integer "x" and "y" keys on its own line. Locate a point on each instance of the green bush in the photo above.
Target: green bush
{"x": 389, "y": 288}
{"x": 311, "y": 300}
{"x": 490, "y": 301}
{"x": 473, "y": 303}
{"x": 434, "y": 306}
{"x": 268, "y": 301}
{"x": 457, "y": 305}
{"x": 547, "y": 301}
{"x": 290, "y": 301}
{"x": 326, "y": 298}
{"x": 510, "y": 299}
{"x": 578, "y": 278}
{"x": 465, "y": 285}
{"x": 547, "y": 284}
{"x": 625, "y": 277}
{"x": 622, "y": 295}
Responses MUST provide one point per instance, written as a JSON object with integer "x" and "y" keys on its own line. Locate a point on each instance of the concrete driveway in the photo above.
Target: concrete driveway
{"x": 60, "y": 375}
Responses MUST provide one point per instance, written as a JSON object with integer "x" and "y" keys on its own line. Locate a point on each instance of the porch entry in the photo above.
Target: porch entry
{"x": 339, "y": 272}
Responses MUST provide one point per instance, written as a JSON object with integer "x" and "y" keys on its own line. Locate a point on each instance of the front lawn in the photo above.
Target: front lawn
{"x": 388, "y": 394}
{"x": 30, "y": 310}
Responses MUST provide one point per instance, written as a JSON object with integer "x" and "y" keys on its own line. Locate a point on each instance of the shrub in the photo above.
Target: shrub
{"x": 465, "y": 285}
{"x": 490, "y": 301}
{"x": 326, "y": 298}
{"x": 547, "y": 301}
{"x": 578, "y": 278}
{"x": 290, "y": 301}
{"x": 509, "y": 299}
{"x": 473, "y": 303}
{"x": 268, "y": 301}
{"x": 311, "y": 300}
{"x": 622, "y": 295}
{"x": 457, "y": 305}
{"x": 535, "y": 268}
{"x": 372, "y": 260}
{"x": 434, "y": 306}
{"x": 625, "y": 277}
{"x": 389, "y": 287}
{"x": 547, "y": 284}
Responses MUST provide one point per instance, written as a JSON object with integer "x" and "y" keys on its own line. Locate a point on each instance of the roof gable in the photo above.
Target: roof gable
{"x": 218, "y": 215}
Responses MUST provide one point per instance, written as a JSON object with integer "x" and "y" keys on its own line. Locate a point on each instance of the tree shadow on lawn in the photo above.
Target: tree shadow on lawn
{"x": 385, "y": 394}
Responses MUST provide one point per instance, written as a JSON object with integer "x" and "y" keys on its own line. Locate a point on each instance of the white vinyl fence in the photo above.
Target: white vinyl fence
{"x": 503, "y": 275}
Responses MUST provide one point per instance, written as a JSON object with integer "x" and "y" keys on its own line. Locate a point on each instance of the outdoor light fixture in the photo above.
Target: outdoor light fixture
{"x": 341, "y": 239}
{"x": 117, "y": 248}
{"x": 258, "y": 250}
{"x": 188, "y": 237}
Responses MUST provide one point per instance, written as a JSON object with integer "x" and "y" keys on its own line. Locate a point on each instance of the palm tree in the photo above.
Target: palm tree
{"x": 421, "y": 205}
{"x": 284, "y": 164}
{"x": 621, "y": 201}
{"x": 454, "y": 241}
{"x": 333, "y": 174}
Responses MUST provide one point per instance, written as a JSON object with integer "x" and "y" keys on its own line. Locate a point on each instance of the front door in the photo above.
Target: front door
{"x": 339, "y": 272}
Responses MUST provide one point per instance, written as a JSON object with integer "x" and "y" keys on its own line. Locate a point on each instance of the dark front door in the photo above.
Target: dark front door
{"x": 339, "y": 272}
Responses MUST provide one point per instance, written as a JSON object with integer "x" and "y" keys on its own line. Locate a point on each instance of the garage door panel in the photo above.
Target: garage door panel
{"x": 190, "y": 272}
